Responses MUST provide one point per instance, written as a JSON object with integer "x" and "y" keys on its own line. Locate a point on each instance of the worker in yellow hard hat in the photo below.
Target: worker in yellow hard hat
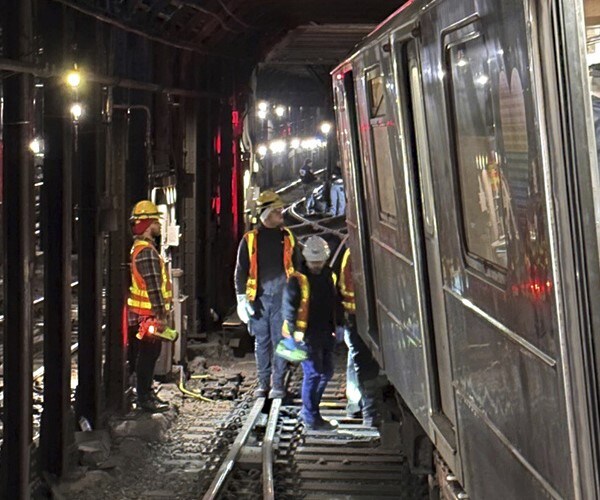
{"x": 150, "y": 298}
{"x": 266, "y": 256}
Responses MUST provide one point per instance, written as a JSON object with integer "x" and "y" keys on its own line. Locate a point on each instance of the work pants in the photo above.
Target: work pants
{"x": 265, "y": 326}
{"x": 353, "y": 394}
{"x": 143, "y": 355}
{"x": 309, "y": 200}
{"x": 338, "y": 199}
{"x": 318, "y": 370}
{"x": 366, "y": 372}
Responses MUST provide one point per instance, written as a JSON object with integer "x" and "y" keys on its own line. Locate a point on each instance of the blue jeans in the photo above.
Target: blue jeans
{"x": 265, "y": 327}
{"x": 318, "y": 370}
{"x": 366, "y": 371}
{"x": 338, "y": 199}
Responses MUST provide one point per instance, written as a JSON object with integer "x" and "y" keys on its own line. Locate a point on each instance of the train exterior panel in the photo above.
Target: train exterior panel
{"x": 455, "y": 218}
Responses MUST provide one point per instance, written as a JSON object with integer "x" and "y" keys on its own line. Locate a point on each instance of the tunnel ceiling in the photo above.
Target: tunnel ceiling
{"x": 238, "y": 27}
{"x": 295, "y": 41}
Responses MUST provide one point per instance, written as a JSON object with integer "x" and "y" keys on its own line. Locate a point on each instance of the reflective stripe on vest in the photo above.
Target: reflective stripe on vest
{"x": 251, "y": 238}
{"x": 302, "y": 313}
{"x": 346, "y": 284}
{"x": 138, "y": 300}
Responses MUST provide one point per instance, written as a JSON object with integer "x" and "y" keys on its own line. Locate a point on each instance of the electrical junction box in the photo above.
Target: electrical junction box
{"x": 173, "y": 236}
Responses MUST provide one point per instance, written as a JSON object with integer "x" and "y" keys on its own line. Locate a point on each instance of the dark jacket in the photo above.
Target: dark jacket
{"x": 271, "y": 274}
{"x": 323, "y": 301}
{"x": 306, "y": 174}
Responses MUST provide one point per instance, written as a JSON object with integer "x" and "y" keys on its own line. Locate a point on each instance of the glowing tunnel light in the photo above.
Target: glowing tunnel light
{"x": 325, "y": 127}
{"x": 37, "y": 146}
{"x": 73, "y": 79}
{"x": 277, "y": 146}
{"x": 262, "y": 150}
{"x": 76, "y": 111}
{"x": 310, "y": 143}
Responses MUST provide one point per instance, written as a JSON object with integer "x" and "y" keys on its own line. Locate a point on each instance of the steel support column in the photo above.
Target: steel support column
{"x": 18, "y": 253}
{"x": 118, "y": 273}
{"x": 56, "y": 433}
{"x": 206, "y": 229}
{"x": 56, "y": 430}
{"x": 226, "y": 234}
{"x": 190, "y": 220}
{"x": 89, "y": 161}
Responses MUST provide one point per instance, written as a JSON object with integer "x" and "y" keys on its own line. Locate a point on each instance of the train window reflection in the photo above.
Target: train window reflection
{"x": 479, "y": 173}
{"x": 376, "y": 95}
{"x": 593, "y": 60}
{"x": 381, "y": 145}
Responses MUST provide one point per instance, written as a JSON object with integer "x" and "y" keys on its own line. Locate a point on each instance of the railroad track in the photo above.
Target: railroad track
{"x": 276, "y": 457}
{"x": 272, "y": 455}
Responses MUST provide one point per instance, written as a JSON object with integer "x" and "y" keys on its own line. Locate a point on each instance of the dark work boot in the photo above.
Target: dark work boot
{"x": 261, "y": 391}
{"x": 151, "y": 405}
{"x": 277, "y": 393}
{"x": 155, "y": 397}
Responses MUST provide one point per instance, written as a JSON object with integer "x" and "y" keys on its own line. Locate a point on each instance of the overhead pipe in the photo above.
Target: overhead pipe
{"x": 115, "y": 81}
{"x": 148, "y": 137}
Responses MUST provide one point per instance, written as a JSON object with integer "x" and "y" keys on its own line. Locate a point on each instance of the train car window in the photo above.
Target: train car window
{"x": 422, "y": 147}
{"x": 479, "y": 173}
{"x": 376, "y": 95}
{"x": 592, "y": 19}
{"x": 381, "y": 145}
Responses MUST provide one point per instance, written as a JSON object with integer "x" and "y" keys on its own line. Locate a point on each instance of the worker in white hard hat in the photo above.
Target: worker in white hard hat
{"x": 309, "y": 304}
{"x": 266, "y": 256}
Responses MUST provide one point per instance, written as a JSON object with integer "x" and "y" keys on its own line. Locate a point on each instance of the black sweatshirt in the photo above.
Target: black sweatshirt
{"x": 322, "y": 305}
{"x": 271, "y": 273}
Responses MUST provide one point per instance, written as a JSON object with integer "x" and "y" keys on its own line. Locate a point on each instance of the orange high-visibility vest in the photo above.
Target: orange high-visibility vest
{"x": 302, "y": 317}
{"x": 139, "y": 301}
{"x": 303, "y": 309}
{"x": 288, "y": 264}
{"x": 346, "y": 284}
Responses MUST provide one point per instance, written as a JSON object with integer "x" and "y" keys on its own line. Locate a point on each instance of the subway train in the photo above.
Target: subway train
{"x": 467, "y": 139}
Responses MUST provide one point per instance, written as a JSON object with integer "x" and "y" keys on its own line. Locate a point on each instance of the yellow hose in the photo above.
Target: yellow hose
{"x": 205, "y": 376}
{"x": 187, "y": 392}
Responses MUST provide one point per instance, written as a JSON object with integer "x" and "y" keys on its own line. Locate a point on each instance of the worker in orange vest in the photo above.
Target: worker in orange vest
{"x": 362, "y": 374}
{"x": 150, "y": 299}
{"x": 266, "y": 256}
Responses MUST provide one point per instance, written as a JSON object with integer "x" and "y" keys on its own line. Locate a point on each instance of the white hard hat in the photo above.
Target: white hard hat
{"x": 316, "y": 249}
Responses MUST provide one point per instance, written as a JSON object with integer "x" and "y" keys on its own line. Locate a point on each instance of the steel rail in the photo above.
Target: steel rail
{"x": 231, "y": 458}
{"x": 316, "y": 225}
{"x": 293, "y": 184}
{"x": 39, "y": 300}
{"x": 267, "y": 451}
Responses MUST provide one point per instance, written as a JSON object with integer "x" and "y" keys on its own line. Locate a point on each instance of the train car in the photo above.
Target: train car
{"x": 467, "y": 140}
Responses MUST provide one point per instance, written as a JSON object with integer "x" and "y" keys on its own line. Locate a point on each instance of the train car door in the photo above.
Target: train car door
{"x": 391, "y": 230}
{"x": 356, "y": 218}
{"x": 427, "y": 252}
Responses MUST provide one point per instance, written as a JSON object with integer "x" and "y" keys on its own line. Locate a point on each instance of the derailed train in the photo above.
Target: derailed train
{"x": 467, "y": 141}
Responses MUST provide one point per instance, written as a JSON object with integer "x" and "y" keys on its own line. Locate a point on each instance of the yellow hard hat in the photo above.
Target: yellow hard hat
{"x": 268, "y": 199}
{"x": 145, "y": 209}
